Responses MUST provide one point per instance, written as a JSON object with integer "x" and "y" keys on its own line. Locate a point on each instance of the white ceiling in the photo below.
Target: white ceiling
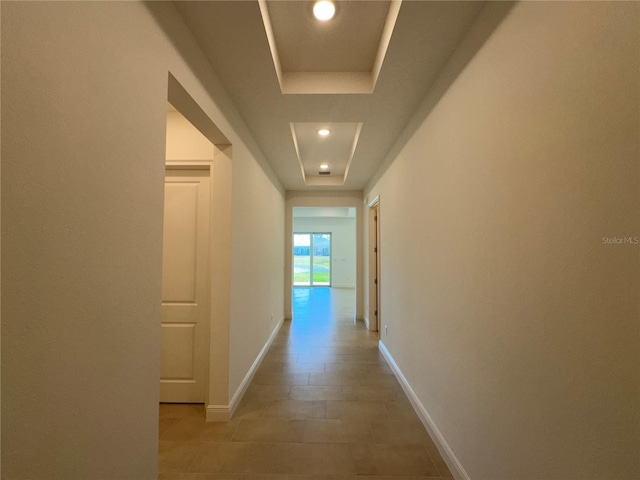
{"x": 411, "y": 45}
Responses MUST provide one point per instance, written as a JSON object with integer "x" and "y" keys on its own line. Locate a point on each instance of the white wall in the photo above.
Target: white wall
{"x": 343, "y": 245}
{"x": 84, "y": 92}
{"x": 514, "y": 324}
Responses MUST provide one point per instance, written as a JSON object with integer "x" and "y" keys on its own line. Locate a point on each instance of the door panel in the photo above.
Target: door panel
{"x": 178, "y": 342}
{"x": 185, "y": 286}
{"x": 180, "y": 243}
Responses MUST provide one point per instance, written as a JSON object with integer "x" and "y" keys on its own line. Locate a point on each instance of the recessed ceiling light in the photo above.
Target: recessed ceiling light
{"x": 324, "y": 166}
{"x": 323, "y": 132}
{"x": 324, "y": 10}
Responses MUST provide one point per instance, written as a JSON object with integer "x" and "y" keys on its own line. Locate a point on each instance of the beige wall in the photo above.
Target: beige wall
{"x": 258, "y": 275}
{"x": 512, "y": 321}
{"x": 83, "y": 144}
{"x": 184, "y": 141}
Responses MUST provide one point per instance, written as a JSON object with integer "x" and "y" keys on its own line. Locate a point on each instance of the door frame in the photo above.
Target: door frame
{"x": 220, "y": 404}
{"x": 337, "y": 198}
{"x": 374, "y": 277}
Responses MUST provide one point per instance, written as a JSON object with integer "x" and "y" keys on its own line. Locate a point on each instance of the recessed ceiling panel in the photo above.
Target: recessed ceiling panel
{"x": 421, "y": 60}
{"x": 341, "y": 55}
{"x": 347, "y": 43}
{"x": 334, "y": 151}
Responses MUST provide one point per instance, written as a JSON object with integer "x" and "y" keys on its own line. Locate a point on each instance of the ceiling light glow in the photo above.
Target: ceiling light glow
{"x": 324, "y": 10}
{"x": 324, "y": 166}
{"x": 323, "y": 132}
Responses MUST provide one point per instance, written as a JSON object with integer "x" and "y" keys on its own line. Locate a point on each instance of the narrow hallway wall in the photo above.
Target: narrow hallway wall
{"x": 84, "y": 92}
{"x": 510, "y": 311}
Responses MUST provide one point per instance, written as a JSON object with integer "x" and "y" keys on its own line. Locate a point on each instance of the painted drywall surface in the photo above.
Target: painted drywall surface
{"x": 84, "y": 116}
{"x": 343, "y": 245}
{"x": 512, "y": 316}
{"x": 184, "y": 141}
{"x": 258, "y": 274}
{"x": 295, "y": 199}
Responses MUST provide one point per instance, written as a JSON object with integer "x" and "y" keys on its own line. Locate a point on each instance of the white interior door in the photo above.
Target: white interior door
{"x": 185, "y": 286}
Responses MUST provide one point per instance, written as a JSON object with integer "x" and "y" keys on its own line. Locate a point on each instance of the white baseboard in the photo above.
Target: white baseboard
{"x": 223, "y": 413}
{"x": 457, "y": 470}
{"x": 217, "y": 413}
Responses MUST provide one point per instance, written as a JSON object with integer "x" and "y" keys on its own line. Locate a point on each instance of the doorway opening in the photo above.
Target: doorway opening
{"x": 312, "y": 259}
{"x": 185, "y": 286}
{"x": 195, "y": 321}
{"x": 374, "y": 312}
{"x": 323, "y": 255}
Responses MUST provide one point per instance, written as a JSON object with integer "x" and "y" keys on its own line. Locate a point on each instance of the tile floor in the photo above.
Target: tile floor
{"x": 324, "y": 405}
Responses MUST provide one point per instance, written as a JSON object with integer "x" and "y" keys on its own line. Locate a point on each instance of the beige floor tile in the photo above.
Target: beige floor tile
{"x": 310, "y": 458}
{"x": 280, "y": 476}
{"x": 281, "y": 379}
{"x": 337, "y": 431}
{"x": 335, "y": 477}
{"x": 164, "y": 424}
{"x": 340, "y": 342}
{"x": 279, "y": 358}
{"x": 393, "y": 460}
{"x": 189, "y": 429}
{"x": 177, "y": 456}
{"x": 318, "y": 358}
{"x": 439, "y": 462}
{"x": 324, "y": 405}
{"x": 339, "y": 350}
{"x": 401, "y": 410}
{"x": 306, "y": 367}
{"x": 280, "y": 341}
{"x": 368, "y": 392}
{"x": 383, "y": 381}
{"x": 381, "y": 368}
{"x": 269, "y": 430}
{"x": 297, "y": 409}
{"x": 291, "y": 349}
{"x": 356, "y": 410}
{"x": 262, "y": 393}
{"x": 254, "y": 408}
{"x": 273, "y": 477}
{"x": 236, "y": 458}
{"x": 362, "y": 369}
{"x": 316, "y": 393}
{"x": 374, "y": 358}
{"x": 343, "y": 378}
{"x": 353, "y": 378}
{"x": 393, "y": 432}
{"x": 179, "y": 410}
{"x": 199, "y": 476}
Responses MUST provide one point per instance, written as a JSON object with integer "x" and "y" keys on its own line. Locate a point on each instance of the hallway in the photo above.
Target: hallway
{"x": 323, "y": 405}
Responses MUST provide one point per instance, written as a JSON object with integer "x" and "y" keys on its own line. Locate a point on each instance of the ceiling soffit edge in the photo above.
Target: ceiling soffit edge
{"x": 329, "y": 82}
